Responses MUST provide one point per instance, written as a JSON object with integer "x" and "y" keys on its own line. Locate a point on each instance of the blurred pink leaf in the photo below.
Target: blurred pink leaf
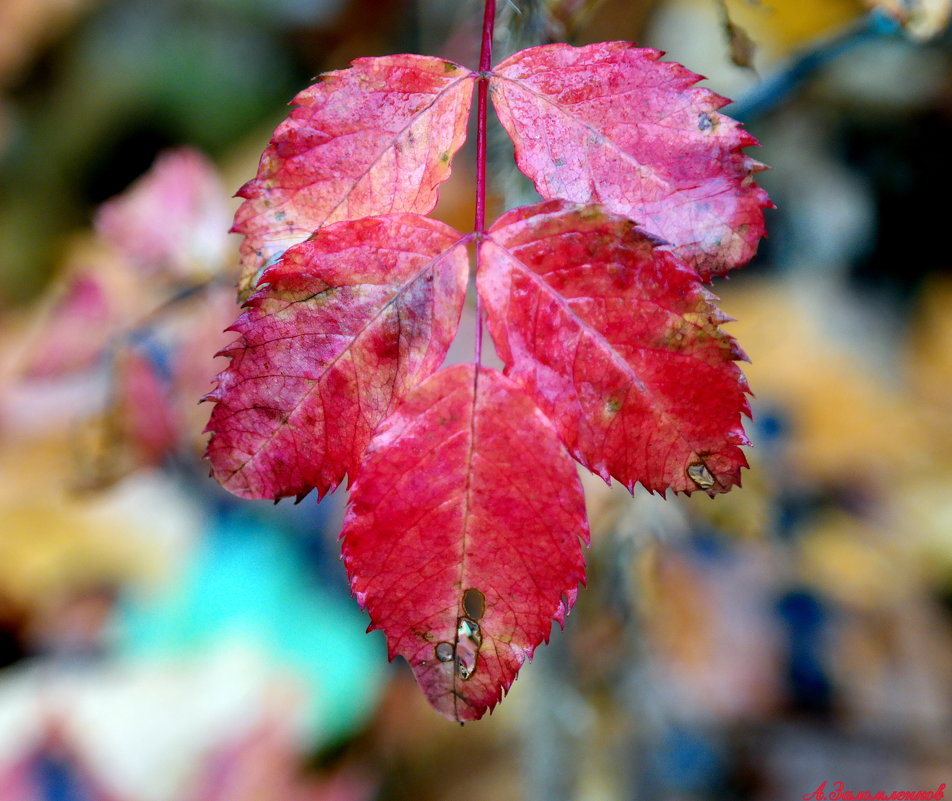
{"x": 75, "y": 329}
{"x": 172, "y": 222}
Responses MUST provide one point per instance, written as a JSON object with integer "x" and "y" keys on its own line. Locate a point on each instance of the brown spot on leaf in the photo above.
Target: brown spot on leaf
{"x": 474, "y": 603}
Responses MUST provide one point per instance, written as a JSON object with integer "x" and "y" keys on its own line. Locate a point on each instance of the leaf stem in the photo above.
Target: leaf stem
{"x": 482, "y": 107}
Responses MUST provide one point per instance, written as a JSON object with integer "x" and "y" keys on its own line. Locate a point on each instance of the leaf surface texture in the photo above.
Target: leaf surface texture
{"x": 343, "y": 327}
{"x": 618, "y": 343}
{"x": 373, "y": 139}
{"x": 463, "y": 537}
{"x": 610, "y": 123}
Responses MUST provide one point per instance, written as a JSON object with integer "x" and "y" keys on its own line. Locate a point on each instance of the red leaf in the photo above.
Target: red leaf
{"x": 610, "y": 123}
{"x": 462, "y": 539}
{"x": 344, "y": 326}
{"x": 373, "y": 139}
{"x": 617, "y": 342}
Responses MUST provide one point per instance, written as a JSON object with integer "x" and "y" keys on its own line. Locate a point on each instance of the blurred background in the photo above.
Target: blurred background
{"x": 162, "y": 641}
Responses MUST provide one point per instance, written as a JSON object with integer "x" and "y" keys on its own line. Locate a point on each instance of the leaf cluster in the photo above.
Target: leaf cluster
{"x": 466, "y": 521}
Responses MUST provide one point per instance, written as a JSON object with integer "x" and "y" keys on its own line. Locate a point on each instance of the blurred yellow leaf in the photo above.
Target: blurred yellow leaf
{"x": 784, "y": 26}
{"x": 845, "y": 558}
{"x": 46, "y": 549}
{"x": 928, "y": 361}
{"x": 849, "y": 425}
{"x": 53, "y": 542}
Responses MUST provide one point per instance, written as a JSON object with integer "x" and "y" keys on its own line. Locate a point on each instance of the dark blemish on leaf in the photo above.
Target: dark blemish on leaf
{"x": 558, "y": 162}
{"x": 705, "y": 122}
{"x": 700, "y": 475}
{"x": 622, "y": 277}
{"x": 387, "y": 349}
{"x": 449, "y": 66}
{"x": 612, "y": 406}
{"x": 445, "y": 157}
{"x": 674, "y": 339}
{"x": 474, "y": 603}
{"x": 444, "y": 652}
{"x": 280, "y": 216}
{"x": 321, "y": 298}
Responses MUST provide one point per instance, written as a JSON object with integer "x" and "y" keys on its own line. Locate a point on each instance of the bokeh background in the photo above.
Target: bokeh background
{"x": 162, "y": 641}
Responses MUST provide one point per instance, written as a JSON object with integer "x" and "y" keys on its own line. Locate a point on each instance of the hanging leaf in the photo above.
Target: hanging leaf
{"x": 618, "y": 343}
{"x": 373, "y": 139}
{"x": 344, "y": 325}
{"x": 463, "y": 537}
{"x": 610, "y": 123}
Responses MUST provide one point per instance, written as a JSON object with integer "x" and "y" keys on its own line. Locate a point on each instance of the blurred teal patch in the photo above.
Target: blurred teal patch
{"x": 247, "y": 582}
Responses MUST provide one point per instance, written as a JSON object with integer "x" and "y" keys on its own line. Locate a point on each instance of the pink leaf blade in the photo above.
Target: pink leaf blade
{"x": 463, "y": 537}
{"x": 618, "y": 343}
{"x": 610, "y": 123}
{"x": 343, "y": 327}
{"x": 374, "y": 139}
